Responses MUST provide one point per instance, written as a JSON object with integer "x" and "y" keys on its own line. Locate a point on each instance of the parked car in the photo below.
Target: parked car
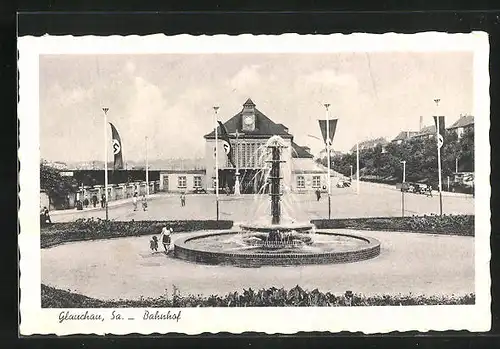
{"x": 422, "y": 188}
{"x": 408, "y": 187}
{"x": 199, "y": 191}
{"x": 343, "y": 184}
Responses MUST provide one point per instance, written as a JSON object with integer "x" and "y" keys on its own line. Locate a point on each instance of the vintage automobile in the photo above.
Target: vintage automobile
{"x": 343, "y": 184}
{"x": 421, "y": 188}
{"x": 199, "y": 190}
{"x": 408, "y": 187}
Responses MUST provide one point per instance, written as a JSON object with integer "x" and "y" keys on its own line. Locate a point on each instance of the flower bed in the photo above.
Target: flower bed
{"x": 446, "y": 224}
{"x": 90, "y": 229}
{"x": 271, "y": 297}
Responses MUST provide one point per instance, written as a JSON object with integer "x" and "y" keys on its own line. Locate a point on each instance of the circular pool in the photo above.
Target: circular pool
{"x": 234, "y": 248}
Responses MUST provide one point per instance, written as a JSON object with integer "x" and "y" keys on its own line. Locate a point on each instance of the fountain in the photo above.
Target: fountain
{"x": 275, "y": 242}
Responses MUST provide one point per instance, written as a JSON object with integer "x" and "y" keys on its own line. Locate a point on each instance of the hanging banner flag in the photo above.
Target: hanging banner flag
{"x": 441, "y": 131}
{"x": 331, "y": 128}
{"x": 228, "y": 149}
{"x": 117, "y": 148}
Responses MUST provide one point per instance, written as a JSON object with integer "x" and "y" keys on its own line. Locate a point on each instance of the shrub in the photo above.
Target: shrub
{"x": 446, "y": 224}
{"x": 92, "y": 229}
{"x": 271, "y": 297}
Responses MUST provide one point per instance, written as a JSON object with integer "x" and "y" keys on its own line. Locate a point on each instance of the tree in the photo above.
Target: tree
{"x": 57, "y": 187}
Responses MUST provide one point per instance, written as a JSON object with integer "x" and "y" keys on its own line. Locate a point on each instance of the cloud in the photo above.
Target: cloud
{"x": 330, "y": 78}
{"x": 246, "y": 77}
{"x": 130, "y": 67}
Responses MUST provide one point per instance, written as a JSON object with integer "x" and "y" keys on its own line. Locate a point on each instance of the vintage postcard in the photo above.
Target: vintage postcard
{"x": 275, "y": 184}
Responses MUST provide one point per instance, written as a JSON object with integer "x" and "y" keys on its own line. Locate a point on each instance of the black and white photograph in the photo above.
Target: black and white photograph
{"x": 251, "y": 181}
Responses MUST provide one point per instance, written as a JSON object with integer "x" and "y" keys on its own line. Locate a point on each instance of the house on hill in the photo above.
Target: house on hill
{"x": 426, "y": 132}
{"x": 403, "y": 136}
{"x": 463, "y": 124}
{"x": 370, "y": 144}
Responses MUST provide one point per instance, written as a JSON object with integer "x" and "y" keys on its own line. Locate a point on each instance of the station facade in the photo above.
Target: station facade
{"x": 249, "y": 131}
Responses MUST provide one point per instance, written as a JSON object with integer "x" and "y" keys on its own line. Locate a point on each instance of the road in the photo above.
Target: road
{"x": 374, "y": 200}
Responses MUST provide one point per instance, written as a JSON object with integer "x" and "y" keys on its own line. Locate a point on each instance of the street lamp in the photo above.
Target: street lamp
{"x": 237, "y": 173}
{"x": 402, "y": 189}
{"x": 216, "y": 164}
{"x": 439, "y": 141}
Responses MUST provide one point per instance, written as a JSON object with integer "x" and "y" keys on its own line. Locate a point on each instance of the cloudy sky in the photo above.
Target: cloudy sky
{"x": 169, "y": 98}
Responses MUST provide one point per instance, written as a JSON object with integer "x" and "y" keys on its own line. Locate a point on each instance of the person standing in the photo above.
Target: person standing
{"x": 94, "y": 200}
{"x": 45, "y": 215}
{"x": 318, "y": 194}
{"x": 134, "y": 201}
{"x": 144, "y": 203}
{"x": 103, "y": 201}
{"x": 165, "y": 238}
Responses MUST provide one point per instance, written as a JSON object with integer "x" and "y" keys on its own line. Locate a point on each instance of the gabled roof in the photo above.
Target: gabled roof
{"x": 249, "y": 102}
{"x": 428, "y": 130}
{"x": 264, "y": 127}
{"x": 300, "y": 152}
{"x": 371, "y": 143}
{"x": 404, "y": 135}
{"x": 463, "y": 121}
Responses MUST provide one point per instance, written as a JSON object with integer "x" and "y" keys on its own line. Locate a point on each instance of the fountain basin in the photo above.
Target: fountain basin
{"x": 228, "y": 248}
{"x": 283, "y": 227}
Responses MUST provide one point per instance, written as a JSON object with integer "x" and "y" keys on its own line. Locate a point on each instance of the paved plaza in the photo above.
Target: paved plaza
{"x": 421, "y": 264}
{"x": 408, "y": 263}
{"x": 374, "y": 200}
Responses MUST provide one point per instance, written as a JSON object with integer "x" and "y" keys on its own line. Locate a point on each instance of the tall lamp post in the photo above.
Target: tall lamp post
{"x": 216, "y": 164}
{"x": 357, "y": 167}
{"x": 402, "y": 189}
{"x": 351, "y": 173}
{"x": 237, "y": 174}
{"x": 147, "y": 167}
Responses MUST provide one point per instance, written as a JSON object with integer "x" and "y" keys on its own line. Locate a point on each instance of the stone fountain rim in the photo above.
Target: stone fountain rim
{"x": 283, "y": 226}
{"x": 372, "y": 244}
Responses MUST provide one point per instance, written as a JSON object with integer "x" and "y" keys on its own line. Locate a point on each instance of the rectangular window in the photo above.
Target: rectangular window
{"x": 316, "y": 182}
{"x": 181, "y": 183}
{"x": 301, "y": 183}
{"x": 197, "y": 181}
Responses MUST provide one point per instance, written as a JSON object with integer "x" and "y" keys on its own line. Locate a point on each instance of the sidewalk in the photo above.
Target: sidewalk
{"x": 112, "y": 203}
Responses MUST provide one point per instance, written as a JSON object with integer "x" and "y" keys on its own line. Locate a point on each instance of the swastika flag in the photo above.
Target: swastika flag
{"x": 226, "y": 143}
{"x": 117, "y": 148}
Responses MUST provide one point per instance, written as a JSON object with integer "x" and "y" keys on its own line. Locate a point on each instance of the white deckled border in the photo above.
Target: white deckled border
{"x": 35, "y": 320}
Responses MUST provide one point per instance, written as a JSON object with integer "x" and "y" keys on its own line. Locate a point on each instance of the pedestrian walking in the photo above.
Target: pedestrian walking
{"x": 318, "y": 194}
{"x": 153, "y": 244}
{"x": 429, "y": 190}
{"x": 134, "y": 201}
{"x": 103, "y": 201}
{"x": 86, "y": 202}
{"x": 183, "y": 199}
{"x": 94, "y": 200}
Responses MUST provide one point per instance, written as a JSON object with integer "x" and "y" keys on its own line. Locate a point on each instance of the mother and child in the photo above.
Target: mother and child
{"x": 165, "y": 238}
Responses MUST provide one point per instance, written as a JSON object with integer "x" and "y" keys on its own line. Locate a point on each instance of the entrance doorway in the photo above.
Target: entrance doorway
{"x": 251, "y": 181}
{"x": 165, "y": 183}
